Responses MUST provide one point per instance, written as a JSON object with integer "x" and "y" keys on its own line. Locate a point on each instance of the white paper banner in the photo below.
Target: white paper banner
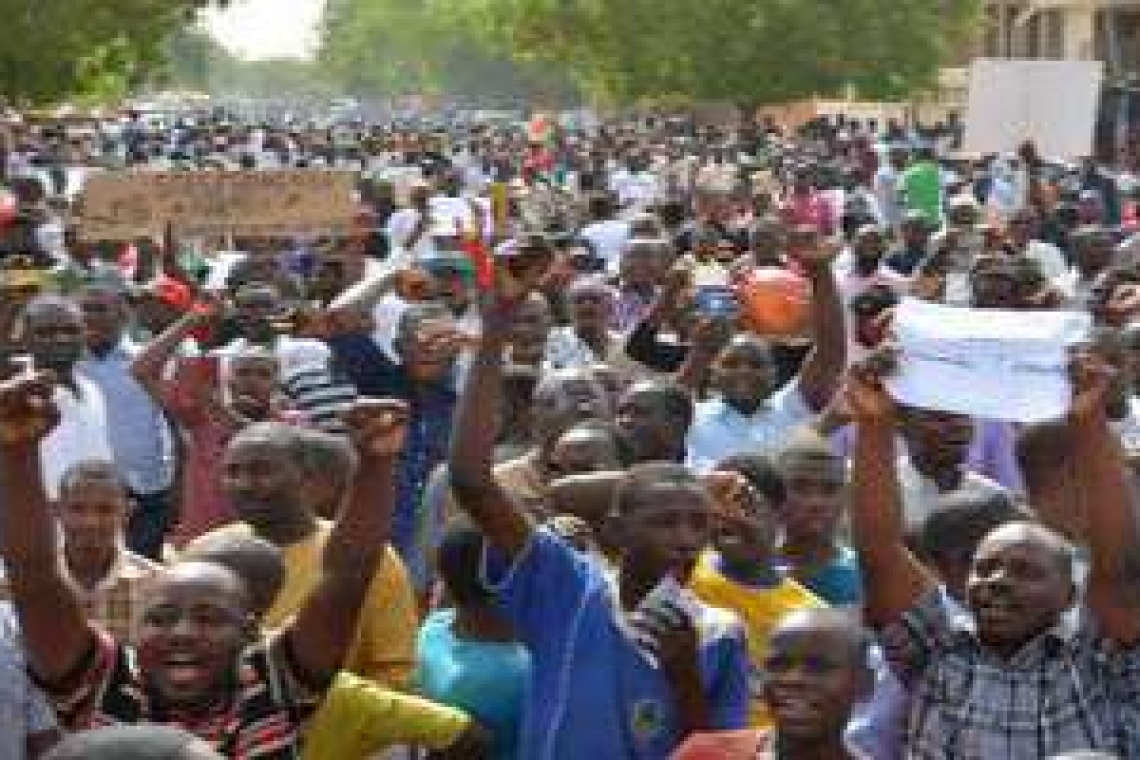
{"x": 1052, "y": 103}
{"x": 1006, "y": 365}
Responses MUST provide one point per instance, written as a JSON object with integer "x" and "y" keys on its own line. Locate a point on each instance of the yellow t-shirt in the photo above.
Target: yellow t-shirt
{"x": 385, "y": 646}
{"x": 760, "y": 609}
{"x": 358, "y": 718}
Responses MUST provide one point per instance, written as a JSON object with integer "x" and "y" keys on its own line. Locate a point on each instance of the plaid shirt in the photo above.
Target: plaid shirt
{"x": 1068, "y": 689}
{"x": 116, "y": 602}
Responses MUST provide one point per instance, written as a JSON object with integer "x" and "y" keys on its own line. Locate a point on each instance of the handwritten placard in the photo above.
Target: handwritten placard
{"x": 127, "y": 205}
{"x": 988, "y": 363}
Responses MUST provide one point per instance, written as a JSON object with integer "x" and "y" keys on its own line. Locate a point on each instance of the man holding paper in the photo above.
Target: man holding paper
{"x": 1033, "y": 668}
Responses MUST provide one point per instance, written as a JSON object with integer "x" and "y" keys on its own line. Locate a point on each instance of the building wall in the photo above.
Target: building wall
{"x": 1070, "y": 29}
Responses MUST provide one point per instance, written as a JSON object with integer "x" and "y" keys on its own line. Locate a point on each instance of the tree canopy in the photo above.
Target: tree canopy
{"x": 57, "y": 49}
{"x": 743, "y": 51}
{"x": 425, "y": 47}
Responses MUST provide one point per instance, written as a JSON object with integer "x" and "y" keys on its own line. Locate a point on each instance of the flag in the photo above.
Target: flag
{"x": 474, "y": 249}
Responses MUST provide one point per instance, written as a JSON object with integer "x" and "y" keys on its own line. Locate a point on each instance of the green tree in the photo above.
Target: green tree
{"x": 194, "y": 60}
{"x": 743, "y": 51}
{"x": 425, "y": 47}
{"x": 57, "y": 49}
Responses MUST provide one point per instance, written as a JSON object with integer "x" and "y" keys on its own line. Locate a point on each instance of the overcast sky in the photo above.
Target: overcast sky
{"x": 267, "y": 28}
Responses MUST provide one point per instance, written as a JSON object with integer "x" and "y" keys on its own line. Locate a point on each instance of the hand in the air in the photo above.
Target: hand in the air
{"x": 378, "y": 427}
{"x": 27, "y": 412}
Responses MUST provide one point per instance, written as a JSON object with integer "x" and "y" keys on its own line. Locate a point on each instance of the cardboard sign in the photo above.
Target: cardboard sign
{"x": 127, "y": 205}
{"x": 1052, "y": 103}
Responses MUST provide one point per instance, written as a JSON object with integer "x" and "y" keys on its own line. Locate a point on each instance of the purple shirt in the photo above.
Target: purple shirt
{"x": 992, "y": 453}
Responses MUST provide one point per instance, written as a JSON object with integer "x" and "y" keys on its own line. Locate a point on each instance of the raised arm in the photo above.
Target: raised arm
{"x": 493, "y": 510}
{"x": 56, "y": 634}
{"x": 1113, "y": 591}
{"x": 822, "y": 371}
{"x": 149, "y": 367}
{"x": 710, "y": 336}
{"x": 1045, "y": 456}
{"x": 894, "y": 579}
{"x": 643, "y": 344}
{"x": 325, "y": 627}
{"x": 365, "y": 294}
{"x": 473, "y": 440}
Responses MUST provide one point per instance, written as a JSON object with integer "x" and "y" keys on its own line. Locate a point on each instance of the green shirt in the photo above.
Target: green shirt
{"x": 921, "y": 190}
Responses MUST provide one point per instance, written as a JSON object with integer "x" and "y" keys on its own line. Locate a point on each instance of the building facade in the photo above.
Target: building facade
{"x": 1106, "y": 30}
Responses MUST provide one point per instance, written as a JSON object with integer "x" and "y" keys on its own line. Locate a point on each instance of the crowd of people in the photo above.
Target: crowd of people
{"x": 577, "y": 445}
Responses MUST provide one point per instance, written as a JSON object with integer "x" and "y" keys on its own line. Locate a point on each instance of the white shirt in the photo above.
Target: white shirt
{"x": 851, "y": 283}
{"x": 565, "y": 350}
{"x": 1075, "y": 286}
{"x": 632, "y": 189}
{"x": 720, "y": 431}
{"x": 399, "y": 229}
{"x": 1050, "y": 259}
{"x": 887, "y": 195}
{"x": 608, "y": 238}
{"x": 81, "y": 434}
{"x": 920, "y": 494}
{"x": 450, "y": 215}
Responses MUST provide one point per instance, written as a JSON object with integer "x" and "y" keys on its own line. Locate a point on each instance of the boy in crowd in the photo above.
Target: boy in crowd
{"x": 625, "y": 669}
{"x": 741, "y": 574}
{"x": 815, "y": 485}
{"x": 469, "y": 656}
{"x": 818, "y": 671}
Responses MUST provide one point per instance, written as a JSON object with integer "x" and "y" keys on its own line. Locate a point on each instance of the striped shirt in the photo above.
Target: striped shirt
{"x": 307, "y": 379}
{"x": 261, "y": 721}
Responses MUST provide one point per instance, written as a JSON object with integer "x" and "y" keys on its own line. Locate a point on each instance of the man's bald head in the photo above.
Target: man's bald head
{"x": 835, "y": 625}
{"x": 1037, "y": 535}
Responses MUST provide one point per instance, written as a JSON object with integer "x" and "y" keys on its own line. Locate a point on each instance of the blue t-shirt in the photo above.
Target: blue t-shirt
{"x": 594, "y": 695}
{"x": 839, "y": 582}
{"x": 486, "y": 680}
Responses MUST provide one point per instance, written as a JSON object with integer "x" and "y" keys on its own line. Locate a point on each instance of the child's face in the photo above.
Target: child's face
{"x": 813, "y": 680}
{"x": 815, "y": 489}
{"x": 748, "y": 538}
